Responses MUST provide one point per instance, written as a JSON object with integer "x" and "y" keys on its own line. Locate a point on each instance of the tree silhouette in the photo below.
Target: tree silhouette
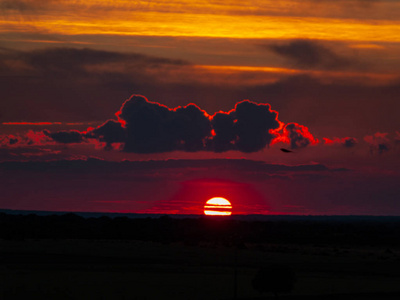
{"x": 275, "y": 278}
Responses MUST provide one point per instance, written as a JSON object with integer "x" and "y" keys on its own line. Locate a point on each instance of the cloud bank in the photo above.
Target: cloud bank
{"x": 145, "y": 127}
{"x": 142, "y": 126}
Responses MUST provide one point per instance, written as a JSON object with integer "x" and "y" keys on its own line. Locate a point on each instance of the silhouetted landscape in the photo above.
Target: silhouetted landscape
{"x": 69, "y": 256}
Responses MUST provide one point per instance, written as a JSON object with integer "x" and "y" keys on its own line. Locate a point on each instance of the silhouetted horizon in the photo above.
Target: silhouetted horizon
{"x": 249, "y": 217}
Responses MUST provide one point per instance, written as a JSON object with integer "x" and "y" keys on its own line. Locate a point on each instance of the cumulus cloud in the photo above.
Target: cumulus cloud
{"x": 310, "y": 54}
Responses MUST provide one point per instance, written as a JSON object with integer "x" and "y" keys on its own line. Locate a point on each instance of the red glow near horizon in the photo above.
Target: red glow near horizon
{"x": 190, "y": 198}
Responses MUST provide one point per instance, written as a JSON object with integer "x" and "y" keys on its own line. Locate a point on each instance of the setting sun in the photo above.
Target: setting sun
{"x": 217, "y": 206}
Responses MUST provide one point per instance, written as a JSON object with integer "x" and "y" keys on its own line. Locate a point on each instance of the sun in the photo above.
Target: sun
{"x": 218, "y": 206}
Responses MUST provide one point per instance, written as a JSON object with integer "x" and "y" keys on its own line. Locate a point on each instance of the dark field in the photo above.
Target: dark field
{"x": 70, "y": 257}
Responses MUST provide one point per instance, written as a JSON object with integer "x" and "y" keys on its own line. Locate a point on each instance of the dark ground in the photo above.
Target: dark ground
{"x": 69, "y": 257}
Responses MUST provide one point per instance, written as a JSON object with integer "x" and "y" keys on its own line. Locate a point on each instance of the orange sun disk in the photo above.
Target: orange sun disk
{"x": 217, "y": 206}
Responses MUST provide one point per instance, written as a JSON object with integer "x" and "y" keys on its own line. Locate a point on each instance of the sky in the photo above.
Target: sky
{"x": 282, "y": 107}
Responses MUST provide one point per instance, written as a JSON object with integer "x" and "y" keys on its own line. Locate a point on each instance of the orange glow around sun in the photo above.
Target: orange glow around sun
{"x": 218, "y": 206}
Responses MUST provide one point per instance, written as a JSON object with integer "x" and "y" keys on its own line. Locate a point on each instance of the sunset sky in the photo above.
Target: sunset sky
{"x": 95, "y": 114}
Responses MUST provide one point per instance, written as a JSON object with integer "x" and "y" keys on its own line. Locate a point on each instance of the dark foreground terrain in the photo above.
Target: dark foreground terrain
{"x": 71, "y": 257}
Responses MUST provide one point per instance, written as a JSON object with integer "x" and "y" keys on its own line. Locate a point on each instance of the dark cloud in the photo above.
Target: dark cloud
{"x": 246, "y": 128}
{"x": 110, "y": 132}
{"x": 224, "y": 130}
{"x": 253, "y": 124}
{"x": 310, "y": 54}
{"x": 65, "y": 136}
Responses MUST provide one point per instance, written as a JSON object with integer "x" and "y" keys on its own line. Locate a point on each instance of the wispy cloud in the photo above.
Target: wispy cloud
{"x": 311, "y": 54}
